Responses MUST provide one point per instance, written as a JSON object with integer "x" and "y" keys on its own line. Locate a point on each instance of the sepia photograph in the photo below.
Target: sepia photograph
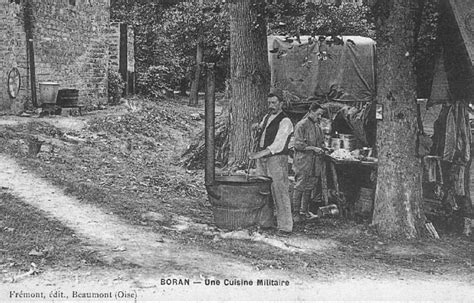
{"x": 236, "y": 150}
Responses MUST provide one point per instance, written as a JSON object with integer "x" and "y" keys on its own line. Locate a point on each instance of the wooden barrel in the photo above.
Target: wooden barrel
{"x": 68, "y": 97}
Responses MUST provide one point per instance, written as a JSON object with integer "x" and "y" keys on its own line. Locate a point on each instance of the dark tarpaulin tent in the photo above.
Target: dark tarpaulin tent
{"x": 457, "y": 39}
{"x": 340, "y": 70}
{"x": 453, "y": 89}
{"x": 321, "y": 67}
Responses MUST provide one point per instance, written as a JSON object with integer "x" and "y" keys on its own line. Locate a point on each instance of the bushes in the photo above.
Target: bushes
{"x": 158, "y": 81}
{"x": 116, "y": 85}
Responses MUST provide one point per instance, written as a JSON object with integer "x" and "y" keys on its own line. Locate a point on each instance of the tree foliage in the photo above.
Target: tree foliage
{"x": 158, "y": 64}
{"x": 167, "y": 33}
{"x": 294, "y": 18}
{"x": 189, "y": 24}
{"x": 205, "y": 25}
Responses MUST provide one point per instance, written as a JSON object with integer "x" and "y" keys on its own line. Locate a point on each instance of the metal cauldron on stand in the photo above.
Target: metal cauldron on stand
{"x": 237, "y": 200}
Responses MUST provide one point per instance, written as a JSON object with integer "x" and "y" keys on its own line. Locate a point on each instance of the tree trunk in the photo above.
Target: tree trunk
{"x": 398, "y": 197}
{"x": 250, "y": 73}
{"x": 194, "y": 93}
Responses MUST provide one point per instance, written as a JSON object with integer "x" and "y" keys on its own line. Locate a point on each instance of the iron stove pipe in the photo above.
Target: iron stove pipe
{"x": 209, "y": 128}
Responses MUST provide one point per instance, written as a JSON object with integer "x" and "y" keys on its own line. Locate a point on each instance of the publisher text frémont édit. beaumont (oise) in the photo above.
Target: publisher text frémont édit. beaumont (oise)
{"x": 74, "y": 294}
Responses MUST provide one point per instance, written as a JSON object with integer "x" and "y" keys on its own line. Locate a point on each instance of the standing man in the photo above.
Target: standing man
{"x": 272, "y": 159}
{"x": 307, "y": 162}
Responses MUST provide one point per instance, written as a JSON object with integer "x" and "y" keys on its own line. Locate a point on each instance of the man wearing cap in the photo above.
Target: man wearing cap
{"x": 307, "y": 161}
{"x": 272, "y": 159}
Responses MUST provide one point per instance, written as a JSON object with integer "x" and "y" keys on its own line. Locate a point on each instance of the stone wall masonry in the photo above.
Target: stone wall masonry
{"x": 71, "y": 46}
{"x": 113, "y": 38}
{"x": 12, "y": 54}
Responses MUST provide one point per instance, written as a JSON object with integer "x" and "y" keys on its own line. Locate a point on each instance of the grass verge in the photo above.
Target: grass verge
{"x": 28, "y": 236}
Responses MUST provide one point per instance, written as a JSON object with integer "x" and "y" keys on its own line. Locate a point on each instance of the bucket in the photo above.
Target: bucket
{"x": 48, "y": 92}
{"x": 330, "y": 210}
{"x": 237, "y": 200}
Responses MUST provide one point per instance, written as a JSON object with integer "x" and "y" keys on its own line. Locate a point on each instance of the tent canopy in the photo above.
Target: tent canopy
{"x": 464, "y": 15}
{"x": 319, "y": 67}
{"x": 457, "y": 40}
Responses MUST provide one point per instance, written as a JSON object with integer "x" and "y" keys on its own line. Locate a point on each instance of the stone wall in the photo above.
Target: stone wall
{"x": 114, "y": 45}
{"x": 12, "y": 54}
{"x": 70, "y": 47}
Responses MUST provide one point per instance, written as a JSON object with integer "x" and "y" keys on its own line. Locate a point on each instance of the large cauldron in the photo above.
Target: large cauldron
{"x": 238, "y": 200}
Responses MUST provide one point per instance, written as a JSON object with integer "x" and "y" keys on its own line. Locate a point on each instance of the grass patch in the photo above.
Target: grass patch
{"x": 28, "y": 236}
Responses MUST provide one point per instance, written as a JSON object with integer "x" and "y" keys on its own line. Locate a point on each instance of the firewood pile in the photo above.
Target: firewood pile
{"x": 194, "y": 157}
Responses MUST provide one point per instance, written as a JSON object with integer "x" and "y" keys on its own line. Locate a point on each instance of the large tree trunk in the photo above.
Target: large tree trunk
{"x": 250, "y": 73}
{"x": 399, "y": 184}
{"x": 194, "y": 93}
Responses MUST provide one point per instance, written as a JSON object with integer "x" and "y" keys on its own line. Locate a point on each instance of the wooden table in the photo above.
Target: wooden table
{"x": 329, "y": 165}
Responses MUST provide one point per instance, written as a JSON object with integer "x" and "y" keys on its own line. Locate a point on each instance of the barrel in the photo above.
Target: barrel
{"x": 237, "y": 200}
{"x": 48, "y": 92}
{"x": 68, "y": 97}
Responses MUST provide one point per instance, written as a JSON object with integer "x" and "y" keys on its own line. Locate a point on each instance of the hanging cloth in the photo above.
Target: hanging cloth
{"x": 452, "y": 137}
{"x": 457, "y": 175}
{"x": 432, "y": 169}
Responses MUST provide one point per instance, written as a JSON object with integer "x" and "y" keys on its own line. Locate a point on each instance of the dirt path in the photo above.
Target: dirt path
{"x": 160, "y": 257}
{"x": 110, "y": 236}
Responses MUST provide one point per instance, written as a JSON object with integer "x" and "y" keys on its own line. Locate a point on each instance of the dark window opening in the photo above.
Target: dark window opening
{"x": 72, "y": 2}
{"x": 15, "y": 1}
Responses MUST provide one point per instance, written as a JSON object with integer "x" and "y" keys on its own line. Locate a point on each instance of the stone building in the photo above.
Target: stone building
{"x": 71, "y": 42}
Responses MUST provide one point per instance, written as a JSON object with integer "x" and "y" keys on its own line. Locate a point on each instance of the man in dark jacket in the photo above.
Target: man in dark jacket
{"x": 307, "y": 162}
{"x": 272, "y": 159}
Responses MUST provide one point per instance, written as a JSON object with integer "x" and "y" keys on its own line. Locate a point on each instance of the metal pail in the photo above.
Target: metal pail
{"x": 48, "y": 92}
